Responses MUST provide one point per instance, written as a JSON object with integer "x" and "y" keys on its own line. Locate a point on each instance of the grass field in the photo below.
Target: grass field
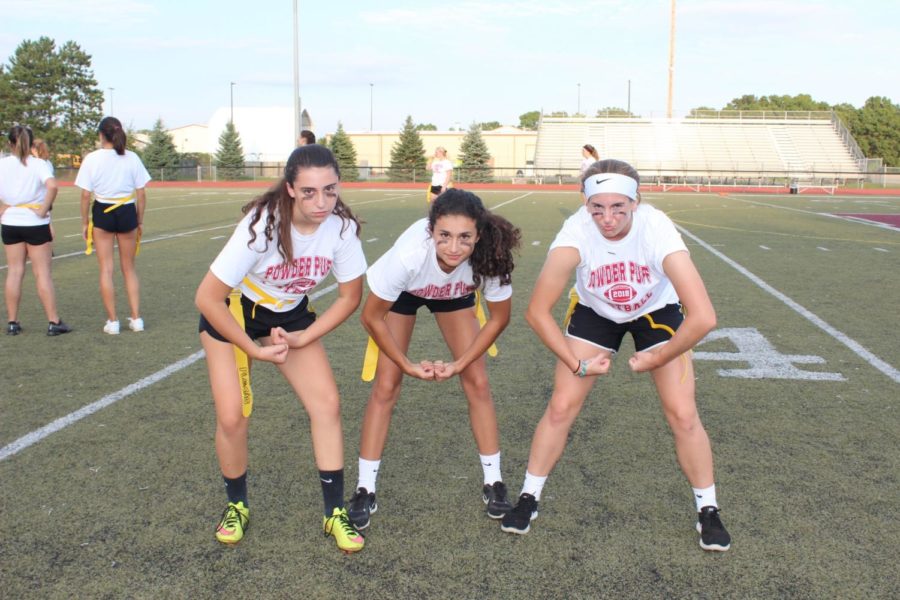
{"x": 798, "y": 392}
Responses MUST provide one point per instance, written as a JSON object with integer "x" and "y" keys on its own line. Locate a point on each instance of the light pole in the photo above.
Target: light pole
{"x": 371, "y": 105}
{"x": 578, "y": 111}
{"x": 298, "y": 116}
{"x": 111, "y": 111}
{"x": 232, "y": 103}
{"x": 671, "y": 59}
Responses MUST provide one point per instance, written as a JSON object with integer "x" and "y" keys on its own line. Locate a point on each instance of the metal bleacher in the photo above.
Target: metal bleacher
{"x": 724, "y": 148}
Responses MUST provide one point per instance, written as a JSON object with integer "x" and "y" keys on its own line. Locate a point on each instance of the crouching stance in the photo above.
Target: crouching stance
{"x": 291, "y": 238}
{"x": 438, "y": 262}
{"x": 632, "y": 274}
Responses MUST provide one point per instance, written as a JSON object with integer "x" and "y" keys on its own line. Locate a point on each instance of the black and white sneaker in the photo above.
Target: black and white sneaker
{"x": 362, "y": 505}
{"x": 519, "y": 519}
{"x": 713, "y": 535}
{"x": 13, "y": 328}
{"x": 495, "y": 498}
{"x": 58, "y": 328}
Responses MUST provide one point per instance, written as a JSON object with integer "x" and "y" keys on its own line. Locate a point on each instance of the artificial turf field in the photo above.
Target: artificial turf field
{"x": 798, "y": 389}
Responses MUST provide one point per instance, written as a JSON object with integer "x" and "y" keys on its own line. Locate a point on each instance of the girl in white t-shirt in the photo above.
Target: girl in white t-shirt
{"x": 633, "y": 274}
{"x": 27, "y": 191}
{"x": 441, "y": 169}
{"x": 116, "y": 178}
{"x": 439, "y": 262}
{"x": 291, "y": 238}
{"x": 589, "y": 156}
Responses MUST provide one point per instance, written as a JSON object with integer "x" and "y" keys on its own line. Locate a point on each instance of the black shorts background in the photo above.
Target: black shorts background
{"x": 407, "y": 304}
{"x": 260, "y": 325}
{"x": 33, "y": 235}
{"x": 118, "y": 220}
{"x": 587, "y": 325}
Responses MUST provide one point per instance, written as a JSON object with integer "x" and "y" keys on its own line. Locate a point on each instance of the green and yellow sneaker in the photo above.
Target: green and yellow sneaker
{"x": 235, "y": 521}
{"x": 348, "y": 538}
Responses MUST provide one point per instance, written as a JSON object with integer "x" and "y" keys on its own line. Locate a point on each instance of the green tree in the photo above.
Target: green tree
{"x": 160, "y": 156}
{"x": 530, "y": 120}
{"x": 342, "y": 146}
{"x": 407, "y": 155}
{"x": 230, "y": 155}
{"x": 877, "y": 130}
{"x": 559, "y": 113}
{"x": 474, "y": 157}
{"x": 426, "y": 127}
{"x": 53, "y": 91}
{"x": 489, "y": 125}
{"x": 613, "y": 111}
{"x": 775, "y": 102}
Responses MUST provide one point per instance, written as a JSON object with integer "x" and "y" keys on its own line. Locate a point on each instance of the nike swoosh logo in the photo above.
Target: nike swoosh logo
{"x": 601, "y": 180}
{"x": 326, "y": 480}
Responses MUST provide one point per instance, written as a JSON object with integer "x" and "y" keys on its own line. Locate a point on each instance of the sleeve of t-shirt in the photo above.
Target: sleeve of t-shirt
{"x": 569, "y": 237}
{"x": 85, "y": 175}
{"x": 140, "y": 174}
{"x": 349, "y": 259}
{"x": 666, "y": 238}
{"x": 388, "y": 277}
{"x": 237, "y": 259}
{"x": 448, "y": 165}
{"x": 494, "y": 292}
{"x": 45, "y": 171}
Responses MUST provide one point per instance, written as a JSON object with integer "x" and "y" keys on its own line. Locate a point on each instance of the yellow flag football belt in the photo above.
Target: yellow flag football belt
{"x": 240, "y": 357}
{"x": 116, "y": 203}
{"x": 370, "y": 361}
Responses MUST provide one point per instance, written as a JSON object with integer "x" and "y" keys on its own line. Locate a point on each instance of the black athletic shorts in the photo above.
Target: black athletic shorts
{"x": 296, "y": 319}
{"x": 407, "y": 304}
{"x": 118, "y": 220}
{"x": 33, "y": 235}
{"x": 588, "y": 326}
{"x": 437, "y": 189}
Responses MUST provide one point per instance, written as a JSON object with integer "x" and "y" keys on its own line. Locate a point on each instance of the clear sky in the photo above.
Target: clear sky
{"x": 454, "y": 63}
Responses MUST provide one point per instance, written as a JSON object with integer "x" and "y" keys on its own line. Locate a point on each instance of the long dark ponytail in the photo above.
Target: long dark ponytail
{"x": 21, "y": 138}
{"x": 497, "y": 237}
{"x": 278, "y": 204}
{"x": 111, "y": 128}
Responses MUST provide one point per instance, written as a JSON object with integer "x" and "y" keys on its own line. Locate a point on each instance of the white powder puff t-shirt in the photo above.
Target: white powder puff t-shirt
{"x": 622, "y": 280}
{"x": 110, "y": 176}
{"x": 325, "y": 251}
{"x": 411, "y": 266}
{"x": 23, "y": 184}
{"x": 438, "y": 168}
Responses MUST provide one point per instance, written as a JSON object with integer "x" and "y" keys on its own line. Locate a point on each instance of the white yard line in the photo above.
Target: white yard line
{"x": 853, "y": 345}
{"x": 512, "y": 200}
{"x": 38, "y": 434}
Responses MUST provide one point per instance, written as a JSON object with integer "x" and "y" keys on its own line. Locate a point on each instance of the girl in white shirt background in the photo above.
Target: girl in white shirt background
{"x": 116, "y": 178}
{"x": 27, "y": 191}
{"x": 441, "y": 169}
{"x": 439, "y": 262}
{"x": 291, "y": 238}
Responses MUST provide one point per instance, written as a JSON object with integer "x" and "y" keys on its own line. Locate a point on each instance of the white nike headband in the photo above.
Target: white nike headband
{"x": 610, "y": 183}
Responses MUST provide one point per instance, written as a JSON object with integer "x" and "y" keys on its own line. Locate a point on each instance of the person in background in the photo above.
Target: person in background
{"x": 633, "y": 274}
{"x": 40, "y": 150}
{"x": 27, "y": 192}
{"x": 441, "y": 169}
{"x": 589, "y": 156}
{"x": 116, "y": 178}
{"x": 306, "y": 137}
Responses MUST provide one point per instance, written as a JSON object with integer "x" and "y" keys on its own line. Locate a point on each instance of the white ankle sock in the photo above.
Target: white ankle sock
{"x": 490, "y": 465}
{"x": 705, "y": 497}
{"x": 368, "y": 473}
{"x": 533, "y": 485}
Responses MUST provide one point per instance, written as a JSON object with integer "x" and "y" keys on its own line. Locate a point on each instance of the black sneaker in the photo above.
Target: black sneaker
{"x": 58, "y": 328}
{"x": 13, "y": 328}
{"x": 495, "y": 498}
{"x": 712, "y": 533}
{"x": 519, "y": 519}
{"x": 362, "y": 505}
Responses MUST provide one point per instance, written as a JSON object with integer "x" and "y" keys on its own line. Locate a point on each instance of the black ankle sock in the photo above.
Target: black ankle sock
{"x": 236, "y": 489}
{"x": 332, "y": 490}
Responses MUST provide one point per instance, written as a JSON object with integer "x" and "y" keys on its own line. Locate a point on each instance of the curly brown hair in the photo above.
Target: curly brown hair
{"x": 278, "y": 204}
{"x": 497, "y": 237}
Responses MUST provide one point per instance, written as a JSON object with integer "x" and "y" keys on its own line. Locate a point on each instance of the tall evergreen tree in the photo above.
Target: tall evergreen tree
{"x": 79, "y": 102}
{"x": 408, "y": 155}
{"x": 160, "y": 156}
{"x": 230, "y": 156}
{"x": 474, "y": 157}
{"x": 342, "y": 146}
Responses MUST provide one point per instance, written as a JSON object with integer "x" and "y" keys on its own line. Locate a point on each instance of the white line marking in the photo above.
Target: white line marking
{"x": 372, "y": 240}
{"x": 812, "y": 212}
{"x": 764, "y": 247}
{"x": 508, "y": 201}
{"x": 823, "y": 249}
{"x": 881, "y": 249}
{"x": 856, "y": 347}
{"x": 85, "y": 411}
{"x": 217, "y": 237}
{"x": 536, "y": 243}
